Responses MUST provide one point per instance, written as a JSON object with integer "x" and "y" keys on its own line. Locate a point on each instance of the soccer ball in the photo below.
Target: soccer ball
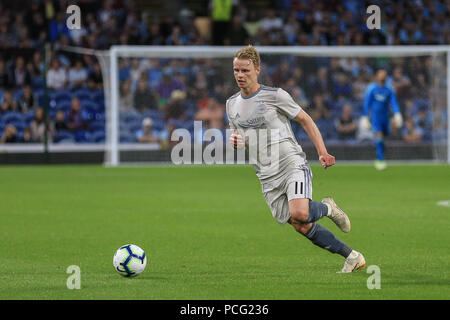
{"x": 129, "y": 260}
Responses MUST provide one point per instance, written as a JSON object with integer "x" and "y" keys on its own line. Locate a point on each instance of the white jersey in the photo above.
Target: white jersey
{"x": 268, "y": 108}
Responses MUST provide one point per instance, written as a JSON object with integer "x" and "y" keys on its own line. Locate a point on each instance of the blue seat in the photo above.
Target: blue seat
{"x": 38, "y": 82}
{"x": 29, "y": 116}
{"x": 63, "y": 105}
{"x": 82, "y": 94}
{"x": 13, "y": 116}
{"x": 158, "y": 125}
{"x": 154, "y": 114}
{"x": 98, "y": 136}
{"x": 19, "y": 125}
{"x": 62, "y": 96}
{"x": 130, "y": 116}
{"x": 63, "y": 135}
{"x": 97, "y": 126}
{"x": 127, "y": 137}
{"x": 135, "y": 125}
{"x": 98, "y": 96}
{"x": 82, "y": 136}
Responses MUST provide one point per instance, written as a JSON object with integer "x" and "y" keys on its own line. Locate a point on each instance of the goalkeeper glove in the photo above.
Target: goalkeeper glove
{"x": 398, "y": 120}
{"x": 365, "y": 123}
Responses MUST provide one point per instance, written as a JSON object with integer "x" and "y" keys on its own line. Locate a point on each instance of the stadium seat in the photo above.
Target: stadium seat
{"x": 38, "y": 82}
{"x": 82, "y": 94}
{"x": 98, "y": 96}
{"x": 28, "y": 117}
{"x": 63, "y": 105}
{"x": 134, "y": 126}
{"x": 127, "y": 137}
{"x": 62, "y": 96}
{"x": 153, "y": 114}
{"x": 82, "y": 136}
{"x": 63, "y": 135}
{"x": 98, "y": 136}
{"x": 13, "y": 116}
{"x": 97, "y": 126}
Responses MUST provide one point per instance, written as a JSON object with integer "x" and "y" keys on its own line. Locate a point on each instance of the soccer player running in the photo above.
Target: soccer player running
{"x": 377, "y": 100}
{"x": 287, "y": 187}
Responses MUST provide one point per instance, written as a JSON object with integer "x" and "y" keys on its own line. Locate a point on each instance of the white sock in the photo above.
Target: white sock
{"x": 329, "y": 210}
{"x": 353, "y": 254}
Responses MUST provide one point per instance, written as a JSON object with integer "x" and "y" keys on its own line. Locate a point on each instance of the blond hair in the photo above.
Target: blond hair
{"x": 249, "y": 53}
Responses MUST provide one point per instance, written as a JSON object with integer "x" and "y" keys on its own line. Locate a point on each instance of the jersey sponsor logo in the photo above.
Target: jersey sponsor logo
{"x": 380, "y": 97}
{"x": 252, "y": 122}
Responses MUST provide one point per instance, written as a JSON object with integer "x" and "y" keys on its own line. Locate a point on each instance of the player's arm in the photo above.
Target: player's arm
{"x": 236, "y": 140}
{"x": 398, "y": 119}
{"x": 326, "y": 159}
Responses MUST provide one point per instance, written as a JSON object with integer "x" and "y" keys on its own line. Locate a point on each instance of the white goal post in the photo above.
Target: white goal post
{"x": 112, "y": 110}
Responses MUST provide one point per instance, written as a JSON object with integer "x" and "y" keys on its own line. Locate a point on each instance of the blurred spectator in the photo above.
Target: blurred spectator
{"x": 26, "y": 138}
{"x": 346, "y": 125}
{"x": 221, "y": 18}
{"x": 8, "y": 103}
{"x": 321, "y": 84}
{"x": 76, "y": 121}
{"x": 168, "y": 85}
{"x": 95, "y": 79}
{"x": 19, "y": 75}
{"x": 36, "y": 66}
{"x": 146, "y": 134}
{"x": 319, "y": 109}
{"x": 26, "y": 99}
{"x": 56, "y": 75}
{"x": 126, "y": 99}
{"x": 423, "y": 119}
{"x": 175, "y": 106}
{"x": 236, "y": 35}
{"x": 411, "y": 133}
{"x": 9, "y": 134}
{"x": 271, "y": 22}
{"x": 60, "y": 121}
{"x": 37, "y": 127}
{"x": 342, "y": 88}
{"x": 144, "y": 99}
{"x": 400, "y": 82}
{"x": 177, "y": 38}
{"x": 77, "y": 75}
{"x": 212, "y": 114}
{"x": 4, "y": 78}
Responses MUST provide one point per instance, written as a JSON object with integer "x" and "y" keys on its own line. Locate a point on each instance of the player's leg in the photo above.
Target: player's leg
{"x": 324, "y": 238}
{"x": 304, "y": 210}
{"x": 379, "y": 128}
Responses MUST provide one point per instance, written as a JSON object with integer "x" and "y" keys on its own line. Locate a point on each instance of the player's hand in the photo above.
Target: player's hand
{"x": 398, "y": 120}
{"x": 327, "y": 160}
{"x": 365, "y": 123}
{"x": 237, "y": 141}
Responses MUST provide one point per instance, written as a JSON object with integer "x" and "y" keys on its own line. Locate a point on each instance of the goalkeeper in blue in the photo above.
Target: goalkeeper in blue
{"x": 379, "y": 97}
{"x": 286, "y": 182}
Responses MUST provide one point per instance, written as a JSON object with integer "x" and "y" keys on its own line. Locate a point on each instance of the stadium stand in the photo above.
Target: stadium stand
{"x": 170, "y": 83}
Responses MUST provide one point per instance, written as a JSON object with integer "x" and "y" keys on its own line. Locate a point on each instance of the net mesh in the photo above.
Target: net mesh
{"x": 171, "y": 89}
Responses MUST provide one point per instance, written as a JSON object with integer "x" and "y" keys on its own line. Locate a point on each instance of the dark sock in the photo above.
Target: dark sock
{"x": 379, "y": 148}
{"x": 322, "y": 237}
{"x": 317, "y": 210}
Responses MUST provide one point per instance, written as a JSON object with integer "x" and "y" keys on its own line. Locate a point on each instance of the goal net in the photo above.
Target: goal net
{"x": 153, "y": 90}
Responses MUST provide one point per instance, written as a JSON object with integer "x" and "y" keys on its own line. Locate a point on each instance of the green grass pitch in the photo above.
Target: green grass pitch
{"x": 209, "y": 234}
